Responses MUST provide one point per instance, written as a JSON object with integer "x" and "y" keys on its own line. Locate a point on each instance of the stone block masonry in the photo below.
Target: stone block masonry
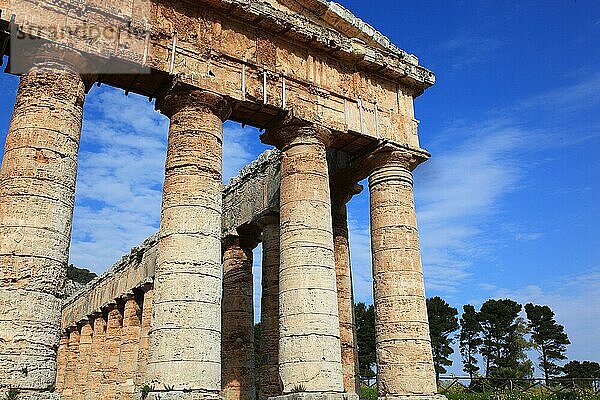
{"x": 174, "y": 318}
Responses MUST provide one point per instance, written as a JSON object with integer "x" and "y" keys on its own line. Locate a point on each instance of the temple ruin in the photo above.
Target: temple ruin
{"x": 174, "y": 318}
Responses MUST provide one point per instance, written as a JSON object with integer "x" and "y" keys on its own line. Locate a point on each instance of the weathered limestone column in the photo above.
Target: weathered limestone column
{"x": 309, "y": 344}
{"x": 72, "y": 357}
{"x": 185, "y": 340}
{"x": 61, "y": 362}
{"x": 145, "y": 330}
{"x": 404, "y": 359}
{"x": 37, "y": 191}
{"x": 112, "y": 352}
{"x": 237, "y": 346}
{"x": 340, "y": 196}
{"x": 98, "y": 346}
{"x": 128, "y": 361}
{"x": 269, "y": 384}
{"x": 84, "y": 361}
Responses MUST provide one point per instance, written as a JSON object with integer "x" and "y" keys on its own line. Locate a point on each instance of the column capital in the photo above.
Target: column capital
{"x": 290, "y": 131}
{"x": 342, "y": 192}
{"x": 179, "y": 97}
{"x": 267, "y": 219}
{"x": 247, "y": 239}
{"x": 395, "y": 157}
{"x": 55, "y": 56}
{"x": 391, "y": 172}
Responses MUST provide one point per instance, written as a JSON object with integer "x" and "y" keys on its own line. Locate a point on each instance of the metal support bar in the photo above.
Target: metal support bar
{"x": 173, "y": 50}
{"x": 117, "y": 40}
{"x": 284, "y": 93}
{"x": 244, "y": 79}
{"x": 265, "y": 85}
{"x": 377, "y": 119}
{"x": 361, "y": 112}
{"x": 146, "y": 48}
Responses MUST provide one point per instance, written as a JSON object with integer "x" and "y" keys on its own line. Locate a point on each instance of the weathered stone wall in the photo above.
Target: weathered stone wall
{"x": 336, "y": 70}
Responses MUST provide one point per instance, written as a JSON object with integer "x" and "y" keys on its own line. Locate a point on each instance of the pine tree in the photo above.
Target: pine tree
{"x": 470, "y": 339}
{"x": 443, "y": 322}
{"x": 365, "y": 339}
{"x": 504, "y": 342}
{"x": 549, "y": 337}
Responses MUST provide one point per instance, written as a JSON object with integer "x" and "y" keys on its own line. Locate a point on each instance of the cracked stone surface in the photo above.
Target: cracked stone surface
{"x": 185, "y": 339}
{"x": 309, "y": 336}
{"x": 269, "y": 383}
{"x": 404, "y": 357}
{"x": 37, "y": 191}
{"x": 237, "y": 342}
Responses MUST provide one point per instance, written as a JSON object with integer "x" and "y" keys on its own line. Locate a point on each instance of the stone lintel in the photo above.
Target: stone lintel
{"x": 317, "y": 396}
{"x": 181, "y": 395}
{"x": 28, "y": 395}
{"x": 431, "y": 397}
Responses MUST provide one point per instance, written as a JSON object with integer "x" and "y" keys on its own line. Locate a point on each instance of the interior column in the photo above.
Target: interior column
{"x": 269, "y": 385}
{"x": 237, "y": 345}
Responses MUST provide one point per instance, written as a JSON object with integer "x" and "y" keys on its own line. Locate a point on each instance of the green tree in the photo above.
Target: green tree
{"x": 582, "y": 372}
{"x": 504, "y": 342}
{"x": 470, "y": 339}
{"x": 80, "y": 275}
{"x": 549, "y": 338}
{"x": 443, "y": 321}
{"x": 365, "y": 339}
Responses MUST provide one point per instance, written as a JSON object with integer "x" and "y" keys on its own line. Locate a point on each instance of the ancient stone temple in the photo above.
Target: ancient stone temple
{"x": 174, "y": 318}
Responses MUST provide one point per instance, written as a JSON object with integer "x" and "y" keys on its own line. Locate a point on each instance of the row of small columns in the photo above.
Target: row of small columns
{"x": 105, "y": 355}
{"x": 37, "y": 188}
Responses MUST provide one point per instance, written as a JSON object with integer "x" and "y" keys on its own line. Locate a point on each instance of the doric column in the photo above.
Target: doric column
{"x": 309, "y": 344}
{"x": 268, "y": 384}
{"x": 237, "y": 346}
{"x": 61, "y": 362}
{"x": 112, "y": 352}
{"x": 84, "y": 361}
{"x": 98, "y": 351}
{"x": 404, "y": 359}
{"x": 145, "y": 330}
{"x": 128, "y": 361}
{"x": 37, "y": 190}
{"x": 72, "y": 357}
{"x": 340, "y": 196}
{"x": 185, "y": 340}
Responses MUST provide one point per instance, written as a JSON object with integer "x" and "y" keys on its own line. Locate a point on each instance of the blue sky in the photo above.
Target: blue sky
{"x": 508, "y": 204}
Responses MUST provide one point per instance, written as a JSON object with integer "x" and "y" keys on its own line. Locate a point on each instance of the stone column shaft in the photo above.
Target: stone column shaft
{"x": 112, "y": 353}
{"x": 61, "y": 361}
{"x": 98, "y": 350}
{"x": 185, "y": 340}
{"x": 269, "y": 385}
{"x": 83, "y": 362}
{"x": 128, "y": 361}
{"x": 145, "y": 330}
{"x": 72, "y": 357}
{"x": 37, "y": 191}
{"x": 309, "y": 344}
{"x": 237, "y": 345}
{"x": 345, "y": 293}
{"x": 404, "y": 358}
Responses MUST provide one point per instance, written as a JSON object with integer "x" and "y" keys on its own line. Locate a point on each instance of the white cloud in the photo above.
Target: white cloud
{"x": 456, "y": 192}
{"x": 121, "y": 173}
{"x": 468, "y": 49}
